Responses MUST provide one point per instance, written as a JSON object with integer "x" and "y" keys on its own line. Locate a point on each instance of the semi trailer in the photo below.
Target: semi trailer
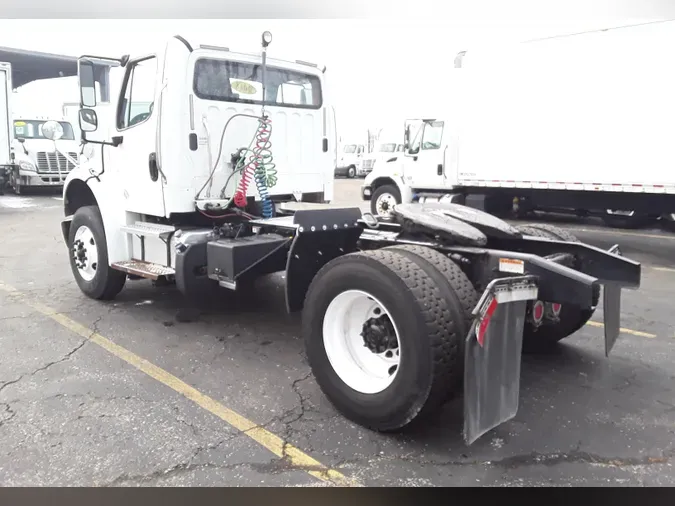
{"x": 399, "y": 314}
{"x": 576, "y": 124}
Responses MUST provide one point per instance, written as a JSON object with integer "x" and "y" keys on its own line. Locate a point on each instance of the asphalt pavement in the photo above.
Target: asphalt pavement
{"x": 150, "y": 390}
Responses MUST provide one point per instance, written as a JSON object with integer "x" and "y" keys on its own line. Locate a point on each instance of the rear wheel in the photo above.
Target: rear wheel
{"x": 351, "y": 172}
{"x": 88, "y": 253}
{"x": 382, "y": 338}
{"x": 572, "y": 317}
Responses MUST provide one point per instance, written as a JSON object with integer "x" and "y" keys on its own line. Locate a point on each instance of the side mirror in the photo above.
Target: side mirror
{"x": 21, "y": 139}
{"x": 406, "y": 138}
{"x": 52, "y": 130}
{"x": 85, "y": 73}
{"x": 88, "y": 120}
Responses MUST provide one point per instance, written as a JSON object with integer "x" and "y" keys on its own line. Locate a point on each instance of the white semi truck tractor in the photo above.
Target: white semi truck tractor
{"x": 222, "y": 179}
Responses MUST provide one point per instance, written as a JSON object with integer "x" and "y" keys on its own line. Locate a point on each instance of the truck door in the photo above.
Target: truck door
{"x": 136, "y": 121}
{"x": 424, "y": 161}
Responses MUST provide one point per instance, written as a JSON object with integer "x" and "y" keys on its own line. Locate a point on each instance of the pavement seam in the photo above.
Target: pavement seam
{"x": 294, "y": 458}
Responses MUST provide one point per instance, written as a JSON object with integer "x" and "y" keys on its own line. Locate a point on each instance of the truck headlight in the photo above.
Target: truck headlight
{"x": 24, "y": 165}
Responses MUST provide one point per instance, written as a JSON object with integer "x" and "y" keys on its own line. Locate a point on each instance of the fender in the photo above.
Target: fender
{"x": 84, "y": 187}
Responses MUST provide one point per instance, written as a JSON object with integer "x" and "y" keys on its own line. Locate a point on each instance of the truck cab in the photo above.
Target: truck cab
{"x": 40, "y": 162}
{"x": 191, "y": 134}
{"x": 424, "y": 166}
{"x": 350, "y": 161}
{"x": 385, "y": 151}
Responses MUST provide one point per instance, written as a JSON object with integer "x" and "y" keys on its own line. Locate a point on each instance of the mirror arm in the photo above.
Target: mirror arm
{"x": 116, "y": 141}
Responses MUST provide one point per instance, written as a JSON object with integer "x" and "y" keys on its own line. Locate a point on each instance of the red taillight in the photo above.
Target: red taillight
{"x": 556, "y": 308}
{"x": 538, "y": 311}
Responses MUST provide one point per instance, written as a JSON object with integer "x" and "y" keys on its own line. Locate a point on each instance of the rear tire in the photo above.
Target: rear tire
{"x": 351, "y": 172}
{"x": 88, "y": 253}
{"x": 458, "y": 292}
{"x": 572, "y": 317}
{"x": 428, "y": 329}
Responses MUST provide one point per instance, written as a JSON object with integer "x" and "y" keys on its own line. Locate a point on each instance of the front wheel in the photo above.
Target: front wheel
{"x": 15, "y": 183}
{"x": 383, "y": 341}
{"x": 351, "y": 172}
{"x": 88, "y": 253}
{"x": 384, "y": 199}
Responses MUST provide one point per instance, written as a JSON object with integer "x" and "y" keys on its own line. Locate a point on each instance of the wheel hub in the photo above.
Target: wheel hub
{"x": 361, "y": 341}
{"x": 85, "y": 253}
{"x": 385, "y": 203}
{"x": 379, "y": 335}
{"x": 80, "y": 253}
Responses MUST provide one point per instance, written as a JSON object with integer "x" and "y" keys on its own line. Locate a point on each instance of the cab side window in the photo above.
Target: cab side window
{"x": 139, "y": 93}
{"x": 433, "y": 134}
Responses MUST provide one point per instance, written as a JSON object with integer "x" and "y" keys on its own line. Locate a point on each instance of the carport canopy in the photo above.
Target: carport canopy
{"x": 29, "y": 66}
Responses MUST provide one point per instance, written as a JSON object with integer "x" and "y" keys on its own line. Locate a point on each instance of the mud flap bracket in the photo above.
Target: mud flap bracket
{"x": 492, "y": 357}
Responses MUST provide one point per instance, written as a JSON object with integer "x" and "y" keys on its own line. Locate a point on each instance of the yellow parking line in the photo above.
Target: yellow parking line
{"x": 297, "y": 458}
{"x": 618, "y": 232}
{"x": 625, "y": 331}
{"x": 663, "y": 269}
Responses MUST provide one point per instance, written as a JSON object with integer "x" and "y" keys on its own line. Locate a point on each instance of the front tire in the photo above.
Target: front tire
{"x": 572, "y": 317}
{"x": 363, "y": 309}
{"x": 384, "y": 199}
{"x": 88, "y": 253}
{"x": 351, "y": 172}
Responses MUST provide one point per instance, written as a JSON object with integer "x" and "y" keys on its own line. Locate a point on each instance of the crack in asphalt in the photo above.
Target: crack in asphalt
{"x": 50, "y": 364}
{"x": 275, "y": 466}
{"x": 8, "y": 409}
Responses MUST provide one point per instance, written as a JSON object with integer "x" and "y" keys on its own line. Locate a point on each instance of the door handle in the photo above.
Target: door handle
{"x": 154, "y": 170}
{"x": 440, "y": 169}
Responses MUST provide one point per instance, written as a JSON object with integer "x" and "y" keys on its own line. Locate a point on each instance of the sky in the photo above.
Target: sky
{"x": 380, "y": 72}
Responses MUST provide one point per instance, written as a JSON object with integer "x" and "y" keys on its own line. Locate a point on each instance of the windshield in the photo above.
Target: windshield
{"x": 32, "y": 129}
{"x": 387, "y": 148}
{"x": 351, "y": 148}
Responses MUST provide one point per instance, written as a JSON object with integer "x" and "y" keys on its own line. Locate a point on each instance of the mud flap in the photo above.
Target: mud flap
{"x": 611, "y": 303}
{"x": 493, "y": 355}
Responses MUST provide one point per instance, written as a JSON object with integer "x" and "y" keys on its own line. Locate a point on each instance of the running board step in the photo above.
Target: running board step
{"x": 146, "y": 229}
{"x": 147, "y": 270}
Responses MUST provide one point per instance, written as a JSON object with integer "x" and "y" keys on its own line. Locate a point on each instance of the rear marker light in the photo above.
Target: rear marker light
{"x": 538, "y": 312}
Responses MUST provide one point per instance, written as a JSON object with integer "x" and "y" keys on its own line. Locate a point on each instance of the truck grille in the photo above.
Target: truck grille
{"x": 47, "y": 162}
{"x": 368, "y": 164}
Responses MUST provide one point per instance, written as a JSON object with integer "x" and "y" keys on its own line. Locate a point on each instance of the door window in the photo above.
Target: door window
{"x": 433, "y": 133}
{"x": 138, "y": 95}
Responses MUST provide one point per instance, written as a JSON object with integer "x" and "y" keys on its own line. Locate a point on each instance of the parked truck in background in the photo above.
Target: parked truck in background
{"x": 6, "y": 130}
{"x": 387, "y": 149}
{"x": 40, "y": 162}
{"x": 579, "y": 124}
{"x": 350, "y": 160}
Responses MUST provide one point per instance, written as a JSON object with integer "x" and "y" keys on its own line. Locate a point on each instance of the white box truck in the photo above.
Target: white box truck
{"x": 582, "y": 123}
